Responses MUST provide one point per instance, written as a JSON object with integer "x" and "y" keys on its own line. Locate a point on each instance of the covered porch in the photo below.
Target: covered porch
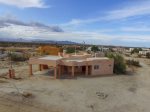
{"x": 73, "y": 71}
{"x": 62, "y": 71}
{"x": 61, "y": 67}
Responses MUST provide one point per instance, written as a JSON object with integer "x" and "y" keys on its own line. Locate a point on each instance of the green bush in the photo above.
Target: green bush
{"x": 70, "y": 50}
{"x": 94, "y": 48}
{"x": 139, "y": 55}
{"x": 119, "y": 63}
{"x": 136, "y": 50}
{"x": 18, "y": 57}
{"x": 133, "y": 63}
{"x": 148, "y": 55}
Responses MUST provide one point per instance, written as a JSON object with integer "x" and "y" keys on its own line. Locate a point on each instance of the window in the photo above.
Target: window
{"x": 96, "y": 67}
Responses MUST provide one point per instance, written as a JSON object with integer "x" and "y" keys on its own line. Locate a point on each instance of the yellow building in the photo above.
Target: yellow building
{"x": 49, "y": 50}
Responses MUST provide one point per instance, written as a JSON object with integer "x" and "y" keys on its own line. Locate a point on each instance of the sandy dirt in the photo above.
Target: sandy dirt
{"x": 120, "y": 93}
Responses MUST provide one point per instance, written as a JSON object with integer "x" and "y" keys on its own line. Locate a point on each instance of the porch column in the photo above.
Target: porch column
{"x": 72, "y": 71}
{"x": 55, "y": 72}
{"x": 30, "y": 70}
{"x": 40, "y": 67}
{"x": 59, "y": 71}
{"x": 86, "y": 71}
{"x": 62, "y": 69}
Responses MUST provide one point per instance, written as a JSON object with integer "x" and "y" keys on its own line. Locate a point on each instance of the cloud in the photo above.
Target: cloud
{"x": 30, "y": 32}
{"x": 24, "y": 3}
{"x": 26, "y": 31}
{"x": 80, "y": 21}
{"x": 139, "y": 9}
{"x": 17, "y": 29}
{"x": 136, "y": 9}
{"x": 5, "y": 22}
{"x": 136, "y": 29}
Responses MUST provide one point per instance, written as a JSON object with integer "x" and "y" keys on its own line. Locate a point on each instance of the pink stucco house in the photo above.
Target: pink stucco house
{"x": 74, "y": 65}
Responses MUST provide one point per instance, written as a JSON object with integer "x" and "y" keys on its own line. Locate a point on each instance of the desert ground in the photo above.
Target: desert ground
{"x": 118, "y": 93}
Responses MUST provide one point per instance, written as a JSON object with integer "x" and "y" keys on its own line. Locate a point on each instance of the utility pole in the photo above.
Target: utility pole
{"x": 11, "y": 70}
{"x": 75, "y": 50}
{"x": 83, "y": 45}
{"x": 10, "y": 60}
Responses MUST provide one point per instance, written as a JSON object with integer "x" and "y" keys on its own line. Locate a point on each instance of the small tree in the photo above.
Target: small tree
{"x": 94, "y": 48}
{"x": 119, "y": 63}
{"x": 148, "y": 55}
{"x": 2, "y": 50}
{"x": 139, "y": 55}
{"x": 16, "y": 57}
{"x": 70, "y": 50}
{"x": 136, "y": 50}
{"x": 133, "y": 63}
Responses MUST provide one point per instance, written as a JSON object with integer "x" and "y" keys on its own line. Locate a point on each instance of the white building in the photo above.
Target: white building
{"x": 144, "y": 52}
{"x": 131, "y": 49}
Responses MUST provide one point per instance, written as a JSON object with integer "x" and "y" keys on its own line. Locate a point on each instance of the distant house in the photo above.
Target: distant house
{"x": 119, "y": 49}
{"x": 104, "y": 49}
{"x": 74, "y": 65}
{"x": 88, "y": 49}
{"x": 131, "y": 49}
{"x": 144, "y": 51}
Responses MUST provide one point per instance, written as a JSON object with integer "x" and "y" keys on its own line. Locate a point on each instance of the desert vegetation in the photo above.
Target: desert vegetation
{"x": 94, "y": 48}
{"x": 148, "y": 55}
{"x": 136, "y": 50}
{"x": 133, "y": 63}
{"x": 119, "y": 63}
{"x": 18, "y": 57}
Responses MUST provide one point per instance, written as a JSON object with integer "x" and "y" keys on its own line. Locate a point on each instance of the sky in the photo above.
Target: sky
{"x": 101, "y": 22}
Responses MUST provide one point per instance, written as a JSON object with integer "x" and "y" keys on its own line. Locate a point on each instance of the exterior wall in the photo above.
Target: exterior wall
{"x": 105, "y": 67}
{"x": 73, "y": 63}
{"x": 80, "y": 56}
{"x": 78, "y": 70}
{"x": 51, "y": 50}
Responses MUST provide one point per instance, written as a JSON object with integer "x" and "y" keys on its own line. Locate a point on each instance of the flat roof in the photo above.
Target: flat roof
{"x": 69, "y": 60}
{"x": 86, "y": 59}
{"x": 98, "y": 58}
{"x": 76, "y": 60}
{"x": 51, "y": 58}
{"x": 81, "y": 55}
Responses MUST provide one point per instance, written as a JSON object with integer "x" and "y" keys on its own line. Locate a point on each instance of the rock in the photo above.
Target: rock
{"x": 101, "y": 95}
{"x": 27, "y": 94}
